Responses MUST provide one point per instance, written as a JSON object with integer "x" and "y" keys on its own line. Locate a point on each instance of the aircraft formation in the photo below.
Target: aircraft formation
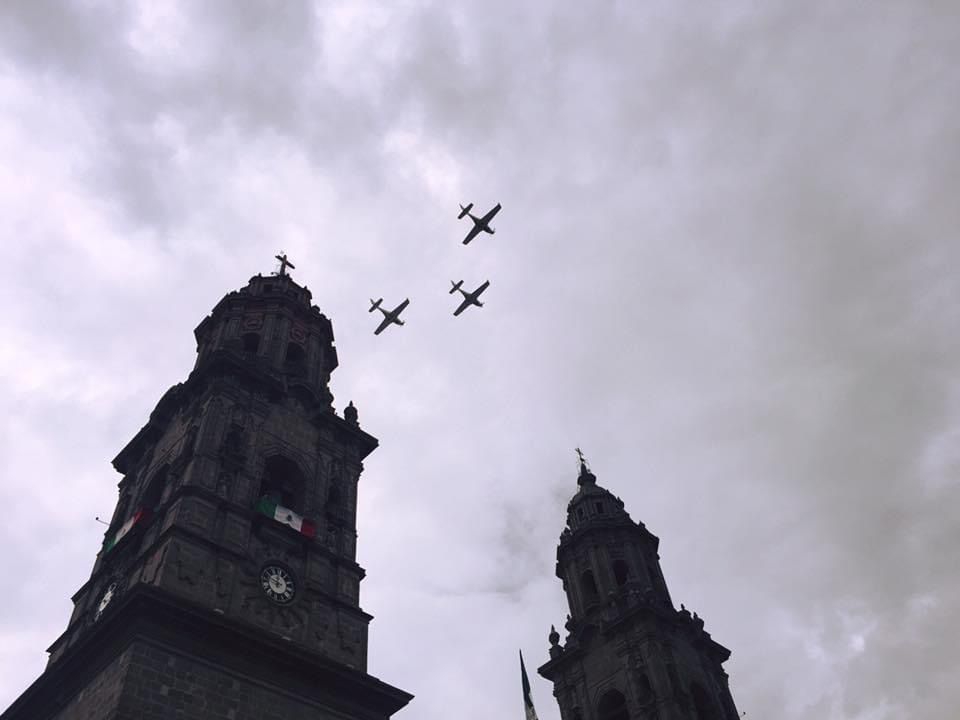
{"x": 480, "y": 224}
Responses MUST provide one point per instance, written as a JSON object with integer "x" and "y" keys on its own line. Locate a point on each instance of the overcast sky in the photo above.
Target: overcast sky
{"x": 726, "y": 267}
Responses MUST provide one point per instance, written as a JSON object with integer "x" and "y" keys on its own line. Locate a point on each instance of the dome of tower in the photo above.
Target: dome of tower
{"x": 593, "y": 504}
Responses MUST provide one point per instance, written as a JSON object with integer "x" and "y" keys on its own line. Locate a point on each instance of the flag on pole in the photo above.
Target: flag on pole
{"x": 531, "y": 713}
{"x": 138, "y": 516}
{"x": 286, "y": 516}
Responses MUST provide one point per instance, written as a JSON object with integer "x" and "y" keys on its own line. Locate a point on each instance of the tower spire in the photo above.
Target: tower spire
{"x": 585, "y": 475}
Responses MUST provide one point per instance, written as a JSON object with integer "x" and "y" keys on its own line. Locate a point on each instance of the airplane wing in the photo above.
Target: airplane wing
{"x": 476, "y": 293}
{"x": 463, "y": 306}
{"x": 399, "y": 308}
{"x": 472, "y": 234}
{"x": 383, "y": 324}
{"x": 489, "y": 216}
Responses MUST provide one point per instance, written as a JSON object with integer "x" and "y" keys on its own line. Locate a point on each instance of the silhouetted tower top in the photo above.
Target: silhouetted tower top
{"x": 598, "y": 546}
{"x": 628, "y": 652}
{"x": 273, "y": 321}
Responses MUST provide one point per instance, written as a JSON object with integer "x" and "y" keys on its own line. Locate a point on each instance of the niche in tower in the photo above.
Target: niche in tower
{"x": 620, "y": 572}
{"x": 282, "y": 483}
{"x": 334, "y": 505}
{"x": 251, "y": 343}
{"x": 589, "y": 586}
{"x": 612, "y": 706}
{"x": 295, "y": 357}
{"x": 153, "y": 496}
{"x": 645, "y": 695}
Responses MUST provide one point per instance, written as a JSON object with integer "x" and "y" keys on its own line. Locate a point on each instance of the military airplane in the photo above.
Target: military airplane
{"x": 479, "y": 224}
{"x": 389, "y": 316}
{"x": 469, "y": 298}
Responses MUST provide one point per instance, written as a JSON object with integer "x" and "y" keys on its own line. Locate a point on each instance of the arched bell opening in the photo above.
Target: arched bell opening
{"x": 153, "y": 496}
{"x": 251, "y": 343}
{"x": 282, "y": 483}
{"x": 588, "y": 584}
{"x": 612, "y": 706}
{"x": 295, "y": 356}
{"x": 620, "y": 573}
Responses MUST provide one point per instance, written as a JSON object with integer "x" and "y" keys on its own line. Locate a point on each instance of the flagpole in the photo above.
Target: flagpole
{"x": 530, "y": 712}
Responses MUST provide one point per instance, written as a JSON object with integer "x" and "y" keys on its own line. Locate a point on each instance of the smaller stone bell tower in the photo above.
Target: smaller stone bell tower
{"x": 628, "y": 653}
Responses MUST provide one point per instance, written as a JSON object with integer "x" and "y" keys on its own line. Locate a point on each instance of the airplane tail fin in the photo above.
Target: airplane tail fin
{"x": 464, "y": 210}
{"x": 456, "y": 286}
{"x": 374, "y": 305}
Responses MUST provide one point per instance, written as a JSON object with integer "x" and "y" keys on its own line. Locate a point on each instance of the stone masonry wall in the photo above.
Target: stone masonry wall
{"x": 98, "y": 699}
{"x": 160, "y": 685}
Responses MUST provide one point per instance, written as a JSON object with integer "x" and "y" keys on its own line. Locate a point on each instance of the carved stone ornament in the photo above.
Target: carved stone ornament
{"x": 298, "y": 333}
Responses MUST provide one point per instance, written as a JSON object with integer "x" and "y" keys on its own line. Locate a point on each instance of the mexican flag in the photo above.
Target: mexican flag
{"x": 138, "y": 516}
{"x": 286, "y": 516}
{"x": 529, "y": 712}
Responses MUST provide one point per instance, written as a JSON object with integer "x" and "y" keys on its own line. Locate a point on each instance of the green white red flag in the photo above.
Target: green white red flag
{"x": 286, "y": 516}
{"x": 531, "y": 713}
{"x": 138, "y": 516}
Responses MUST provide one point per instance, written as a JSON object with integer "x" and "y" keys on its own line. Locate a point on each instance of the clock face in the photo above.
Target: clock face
{"x": 278, "y": 584}
{"x": 105, "y": 600}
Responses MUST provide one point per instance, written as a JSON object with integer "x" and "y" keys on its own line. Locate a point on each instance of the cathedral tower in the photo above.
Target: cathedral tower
{"x": 628, "y": 653}
{"x": 227, "y": 586}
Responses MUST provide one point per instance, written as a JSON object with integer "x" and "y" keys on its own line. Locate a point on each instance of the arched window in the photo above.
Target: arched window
{"x": 589, "y": 586}
{"x": 282, "y": 483}
{"x": 153, "y": 496}
{"x": 333, "y": 538}
{"x": 612, "y": 706}
{"x": 334, "y": 507}
{"x": 644, "y": 689}
{"x": 620, "y": 572}
{"x": 333, "y": 499}
{"x": 251, "y": 343}
{"x": 295, "y": 355}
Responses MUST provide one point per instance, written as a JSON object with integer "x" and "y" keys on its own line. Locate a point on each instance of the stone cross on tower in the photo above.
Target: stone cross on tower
{"x": 284, "y": 263}
{"x": 582, "y": 460}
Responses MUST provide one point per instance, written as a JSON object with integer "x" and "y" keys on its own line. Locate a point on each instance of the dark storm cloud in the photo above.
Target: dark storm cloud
{"x": 724, "y": 267}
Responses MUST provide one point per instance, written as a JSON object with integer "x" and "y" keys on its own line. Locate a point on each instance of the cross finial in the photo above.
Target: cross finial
{"x": 585, "y": 475}
{"x": 284, "y": 263}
